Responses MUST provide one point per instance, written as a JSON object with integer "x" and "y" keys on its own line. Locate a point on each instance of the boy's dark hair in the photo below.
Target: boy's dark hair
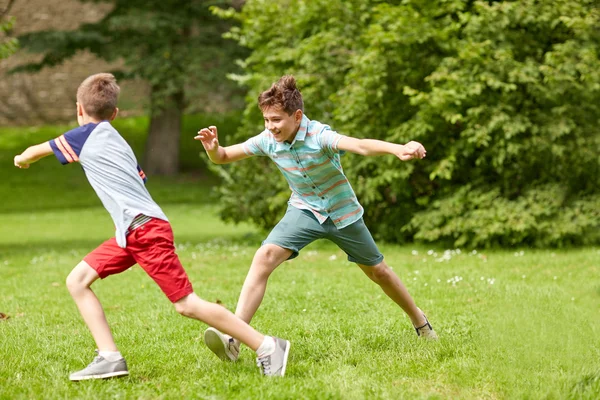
{"x": 284, "y": 94}
{"x": 98, "y": 94}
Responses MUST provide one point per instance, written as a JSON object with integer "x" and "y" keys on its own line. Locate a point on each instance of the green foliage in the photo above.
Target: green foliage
{"x": 174, "y": 45}
{"x": 504, "y": 95}
{"x": 8, "y": 45}
{"x": 480, "y": 217}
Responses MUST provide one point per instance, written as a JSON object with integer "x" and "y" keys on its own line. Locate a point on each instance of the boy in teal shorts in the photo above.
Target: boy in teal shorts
{"x": 322, "y": 204}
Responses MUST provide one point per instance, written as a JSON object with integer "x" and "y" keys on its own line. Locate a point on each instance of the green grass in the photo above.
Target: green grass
{"x": 512, "y": 325}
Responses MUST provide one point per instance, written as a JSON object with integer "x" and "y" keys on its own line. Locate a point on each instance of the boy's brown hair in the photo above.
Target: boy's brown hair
{"x": 98, "y": 94}
{"x": 283, "y": 94}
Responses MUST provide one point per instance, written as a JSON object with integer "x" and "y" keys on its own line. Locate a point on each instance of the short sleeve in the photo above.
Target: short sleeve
{"x": 142, "y": 174}
{"x": 254, "y": 146}
{"x": 329, "y": 140}
{"x": 67, "y": 147}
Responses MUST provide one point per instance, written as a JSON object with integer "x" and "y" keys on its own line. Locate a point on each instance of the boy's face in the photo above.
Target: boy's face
{"x": 283, "y": 126}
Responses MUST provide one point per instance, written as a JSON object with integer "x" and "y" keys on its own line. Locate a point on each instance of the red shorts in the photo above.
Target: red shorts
{"x": 150, "y": 246}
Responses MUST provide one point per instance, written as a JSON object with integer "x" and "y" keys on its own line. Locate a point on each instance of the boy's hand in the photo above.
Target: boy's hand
{"x": 209, "y": 138}
{"x": 412, "y": 150}
{"x": 20, "y": 162}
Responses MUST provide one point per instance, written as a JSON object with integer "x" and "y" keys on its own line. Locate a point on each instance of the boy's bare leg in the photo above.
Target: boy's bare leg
{"x": 78, "y": 282}
{"x": 271, "y": 352}
{"x": 395, "y": 289}
{"x": 266, "y": 259}
{"x": 219, "y": 317}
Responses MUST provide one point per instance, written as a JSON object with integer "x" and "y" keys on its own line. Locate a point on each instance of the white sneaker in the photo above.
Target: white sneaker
{"x": 426, "y": 331}
{"x": 275, "y": 363}
{"x": 224, "y": 346}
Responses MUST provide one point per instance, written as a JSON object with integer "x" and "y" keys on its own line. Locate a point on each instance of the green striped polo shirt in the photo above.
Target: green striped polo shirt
{"x": 311, "y": 165}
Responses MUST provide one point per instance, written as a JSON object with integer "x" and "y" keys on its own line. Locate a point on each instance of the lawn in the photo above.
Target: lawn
{"x": 515, "y": 323}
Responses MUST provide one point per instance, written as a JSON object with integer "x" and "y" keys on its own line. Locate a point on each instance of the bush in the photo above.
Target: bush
{"x": 505, "y": 96}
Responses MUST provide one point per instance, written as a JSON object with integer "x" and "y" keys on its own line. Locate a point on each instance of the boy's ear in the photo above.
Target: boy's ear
{"x": 114, "y": 115}
{"x": 79, "y": 109}
{"x": 298, "y": 115}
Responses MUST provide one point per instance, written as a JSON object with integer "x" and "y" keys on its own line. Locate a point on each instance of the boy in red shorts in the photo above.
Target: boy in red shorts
{"x": 143, "y": 234}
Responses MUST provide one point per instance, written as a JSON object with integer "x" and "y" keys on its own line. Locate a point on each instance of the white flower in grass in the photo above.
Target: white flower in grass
{"x": 457, "y": 251}
{"x": 414, "y": 253}
{"x": 474, "y": 252}
{"x": 454, "y": 280}
{"x": 429, "y": 252}
{"x": 524, "y": 276}
{"x": 446, "y": 257}
{"x": 556, "y": 277}
{"x": 332, "y": 257}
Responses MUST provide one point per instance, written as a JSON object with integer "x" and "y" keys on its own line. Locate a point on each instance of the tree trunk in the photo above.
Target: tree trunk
{"x": 162, "y": 146}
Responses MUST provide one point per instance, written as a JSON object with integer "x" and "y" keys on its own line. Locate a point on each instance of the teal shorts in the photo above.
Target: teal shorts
{"x": 298, "y": 228}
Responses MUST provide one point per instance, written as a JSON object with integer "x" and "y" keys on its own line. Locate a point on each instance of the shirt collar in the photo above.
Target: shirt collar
{"x": 301, "y": 135}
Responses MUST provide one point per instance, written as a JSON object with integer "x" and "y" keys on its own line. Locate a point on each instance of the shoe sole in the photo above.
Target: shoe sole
{"x": 285, "y": 357}
{"x": 100, "y": 376}
{"x": 215, "y": 343}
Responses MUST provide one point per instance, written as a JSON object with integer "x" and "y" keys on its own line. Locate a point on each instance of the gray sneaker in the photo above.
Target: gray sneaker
{"x": 101, "y": 368}
{"x": 275, "y": 363}
{"x": 224, "y": 346}
{"x": 426, "y": 331}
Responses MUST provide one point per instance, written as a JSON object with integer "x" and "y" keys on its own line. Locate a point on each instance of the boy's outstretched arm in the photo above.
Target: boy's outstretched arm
{"x": 372, "y": 147}
{"x": 33, "y": 154}
{"x": 216, "y": 153}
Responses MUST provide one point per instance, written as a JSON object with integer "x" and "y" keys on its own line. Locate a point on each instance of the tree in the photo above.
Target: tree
{"x": 505, "y": 95}
{"x": 175, "y": 45}
{"x": 8, "y": 44}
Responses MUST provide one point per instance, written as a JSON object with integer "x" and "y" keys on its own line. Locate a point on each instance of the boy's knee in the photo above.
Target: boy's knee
{"x": 272, "y": 255}
{"x": 81, "y": 277}
{"x": 183, "y": 307}
{"x": 380, "y": 272}
{"x": 73, "y": 282}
